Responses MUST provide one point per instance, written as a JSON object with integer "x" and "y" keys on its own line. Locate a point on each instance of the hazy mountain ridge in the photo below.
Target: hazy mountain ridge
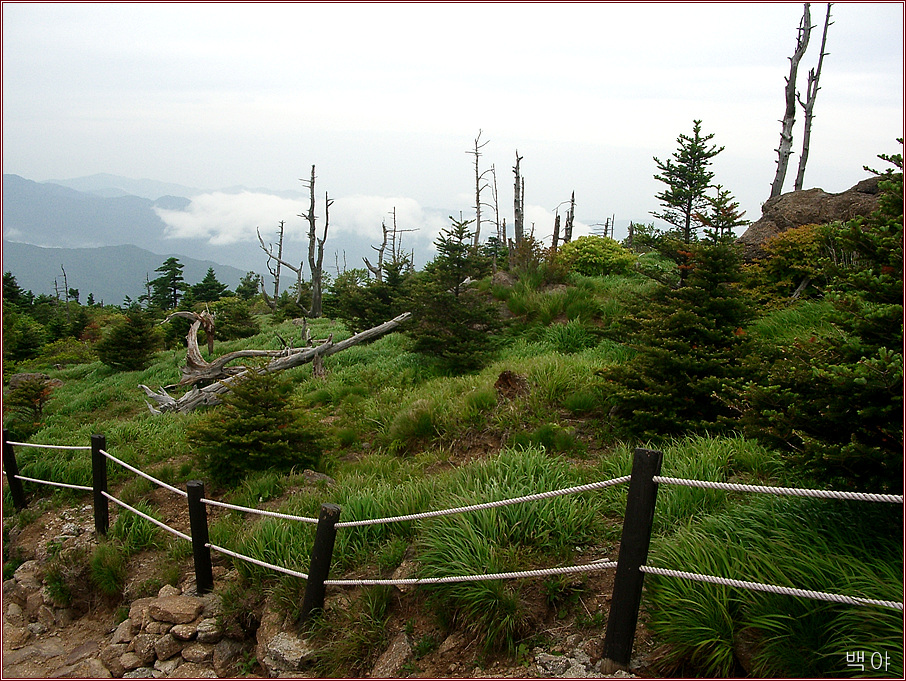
{"x": 109, "y": 272}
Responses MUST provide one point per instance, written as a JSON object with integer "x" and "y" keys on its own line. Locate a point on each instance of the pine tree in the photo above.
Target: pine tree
{"x": 209, "y": 289}
{"x": 688, "y": 179}
{"x": 131, "y": 343}
{"x": 690, "y": 344}
{"x": 168, "y": 287}
{"x": 452, "y": 322}
{"x": 256, "y": 429}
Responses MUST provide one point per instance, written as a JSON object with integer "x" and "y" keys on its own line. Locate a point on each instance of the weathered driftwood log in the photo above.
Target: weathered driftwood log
{"x": 197, "y": 369}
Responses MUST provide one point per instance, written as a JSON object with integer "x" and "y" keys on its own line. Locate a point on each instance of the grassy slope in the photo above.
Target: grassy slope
{"x": 402, "y": 440}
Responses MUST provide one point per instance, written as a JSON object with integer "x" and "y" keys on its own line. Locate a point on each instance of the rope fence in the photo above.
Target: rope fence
{"x": 630, "y": 566}
{"x": 771, "y": 588}
{"x": 487, "y": 505}
{"x": 160, "y": 483}
{"x": 784, "y": 491}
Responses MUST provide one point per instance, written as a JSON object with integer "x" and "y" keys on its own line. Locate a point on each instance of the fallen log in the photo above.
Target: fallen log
{"x": 197, "y": 369}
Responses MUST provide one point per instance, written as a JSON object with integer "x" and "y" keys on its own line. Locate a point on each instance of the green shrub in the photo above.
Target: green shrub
{"x": 130, "y": 343}
{"x": 256, "y": 429}
{"x": 596, "y": 256}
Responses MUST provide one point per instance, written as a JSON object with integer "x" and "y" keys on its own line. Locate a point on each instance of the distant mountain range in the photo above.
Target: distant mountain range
{"x": 103, "y": 229}
{"x": 109, "y": 272}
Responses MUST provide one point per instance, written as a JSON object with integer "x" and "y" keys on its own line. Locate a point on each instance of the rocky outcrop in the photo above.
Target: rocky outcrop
{"x": 808, "y": 207}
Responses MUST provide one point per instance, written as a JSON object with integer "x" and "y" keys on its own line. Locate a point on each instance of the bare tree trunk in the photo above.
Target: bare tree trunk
{"x": 378, "y": 271}
{"x": 811, "y": 92}
{"x": 275, "y": 269}
{"x": 518, "y": 203}
{"x": 315, "y": 248}
{"x": 479, "y": 178}
{"x": 556, "y": 232}
{"x": 66, "y": 295}
{"x": 570, "y": 218}
{"x": 197, "y": 370}
{"x": 789, "y": 118}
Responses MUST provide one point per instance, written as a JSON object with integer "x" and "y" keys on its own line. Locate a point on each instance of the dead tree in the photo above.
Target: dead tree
{"x": 273, "y": 269}
{"x": 570, "y": 219}
{"x": 556, "y": 238}
{"x": 518, "y": 203}
{"x": 811, "y": 91}
{"x": 219, "y": 379}
{"x": 480, "y": 185}
{"x": 789, "y": 118}
{"x": 315, "y": 245}
{"x": 378, "y": 270}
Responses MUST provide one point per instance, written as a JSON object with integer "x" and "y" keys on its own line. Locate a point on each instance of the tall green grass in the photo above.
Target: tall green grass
{"x": 850, "y": 548}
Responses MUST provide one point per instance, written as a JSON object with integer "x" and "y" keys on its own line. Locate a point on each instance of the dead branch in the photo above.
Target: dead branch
{"x": 224, "y": 378}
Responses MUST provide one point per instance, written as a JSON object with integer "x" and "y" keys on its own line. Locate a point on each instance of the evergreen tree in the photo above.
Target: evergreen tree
{"x": 248, "y": 286}
{"x": 837, "y": 402}
{"x": 688, "y": 179}
{"x": 130, "y": 343}
{"x": 452, "y": 322}
{"x": 209, "y": 289}
{"x": 723, "y": 216}
{"x": 256, "y": 429}
{"x": 167, "y": 289}
{"x": 690, "y": 345}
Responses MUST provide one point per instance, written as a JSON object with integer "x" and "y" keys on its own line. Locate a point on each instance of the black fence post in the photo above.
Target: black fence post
{"x": 627, "y": 587}
{"x": 201, "y": 552}
{"x": 12, "y": 473}
{"x": 321, "y": 553}
{"x": 99, "y": 484}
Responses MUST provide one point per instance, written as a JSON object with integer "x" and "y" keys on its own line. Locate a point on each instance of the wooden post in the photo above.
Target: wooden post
{"x": 201, "y": 552}
{"x": 321, "y": 553}
{"x": 12, "y": 473}
{"x": 99, "y": 484}
{"x": 627, "y": 587}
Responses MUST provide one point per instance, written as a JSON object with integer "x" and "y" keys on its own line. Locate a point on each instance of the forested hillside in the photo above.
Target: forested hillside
{"x": 522, "y": 368}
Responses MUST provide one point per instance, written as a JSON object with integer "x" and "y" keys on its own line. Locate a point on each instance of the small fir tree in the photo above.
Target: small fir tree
{"x": 130, "y": 343}
{"x": 209, "y": 289}
{"x": 257, "y": 428}
{"x": 452, "y": 322}
{"x": 690, "y": 344}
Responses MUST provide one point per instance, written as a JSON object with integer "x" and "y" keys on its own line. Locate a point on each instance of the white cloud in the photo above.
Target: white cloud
{"x": 222, "y": 218}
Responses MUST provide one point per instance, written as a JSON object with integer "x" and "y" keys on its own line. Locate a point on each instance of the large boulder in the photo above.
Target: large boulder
{"x": 807, "y": 207}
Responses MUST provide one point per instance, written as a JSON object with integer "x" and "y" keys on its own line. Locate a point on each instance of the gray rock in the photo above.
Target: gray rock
{"x": 208, "y": 631}
{"x": 15, "y": 637}
{"x": 167, "y": 646}
{"x": 184, "y": 632}
{"x": 198, "y": 652}
{"x": 286, "y": 653}
{"x": 139, "y": 673}
{"x": 190, "y": 670}
{"x": 392, "y": 660}
{"x": 110, "y": 658}
{"x": 227, "y": 653}
{"x": 167, "y": 667}
{"x": 130, "y": 661}
{"x": 155, "y": 627}
{"x": 123, "y": 633}
{"x": 168, "y": 591}
{"x": 143, "y": 646}
{"x": 81, "y": 652}
{"x": 176, "y": 609}
{"x": 15, "y": 615}
{"x": 138, "y": 611}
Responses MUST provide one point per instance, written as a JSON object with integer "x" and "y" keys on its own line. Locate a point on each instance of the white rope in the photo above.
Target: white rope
{"x": 31, "y": 444}
{"x": 491, "y": 504}
{"x": 145, "y": 475}
{"x": 260, "y": 563}
{"x": 55, "y": 484}
{"x": 770, "y": 588}
{"x": 147, "y": 517}
{"x": 788, "y": 491}
{"x": 598, "y": 565}
{"x": 272, "y": 514}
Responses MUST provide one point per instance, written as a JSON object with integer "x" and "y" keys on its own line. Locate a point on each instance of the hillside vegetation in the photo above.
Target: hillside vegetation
{"x": 536, "y": 379}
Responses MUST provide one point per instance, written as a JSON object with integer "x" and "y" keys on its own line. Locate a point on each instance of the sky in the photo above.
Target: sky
{"x": 386, "y": 100}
